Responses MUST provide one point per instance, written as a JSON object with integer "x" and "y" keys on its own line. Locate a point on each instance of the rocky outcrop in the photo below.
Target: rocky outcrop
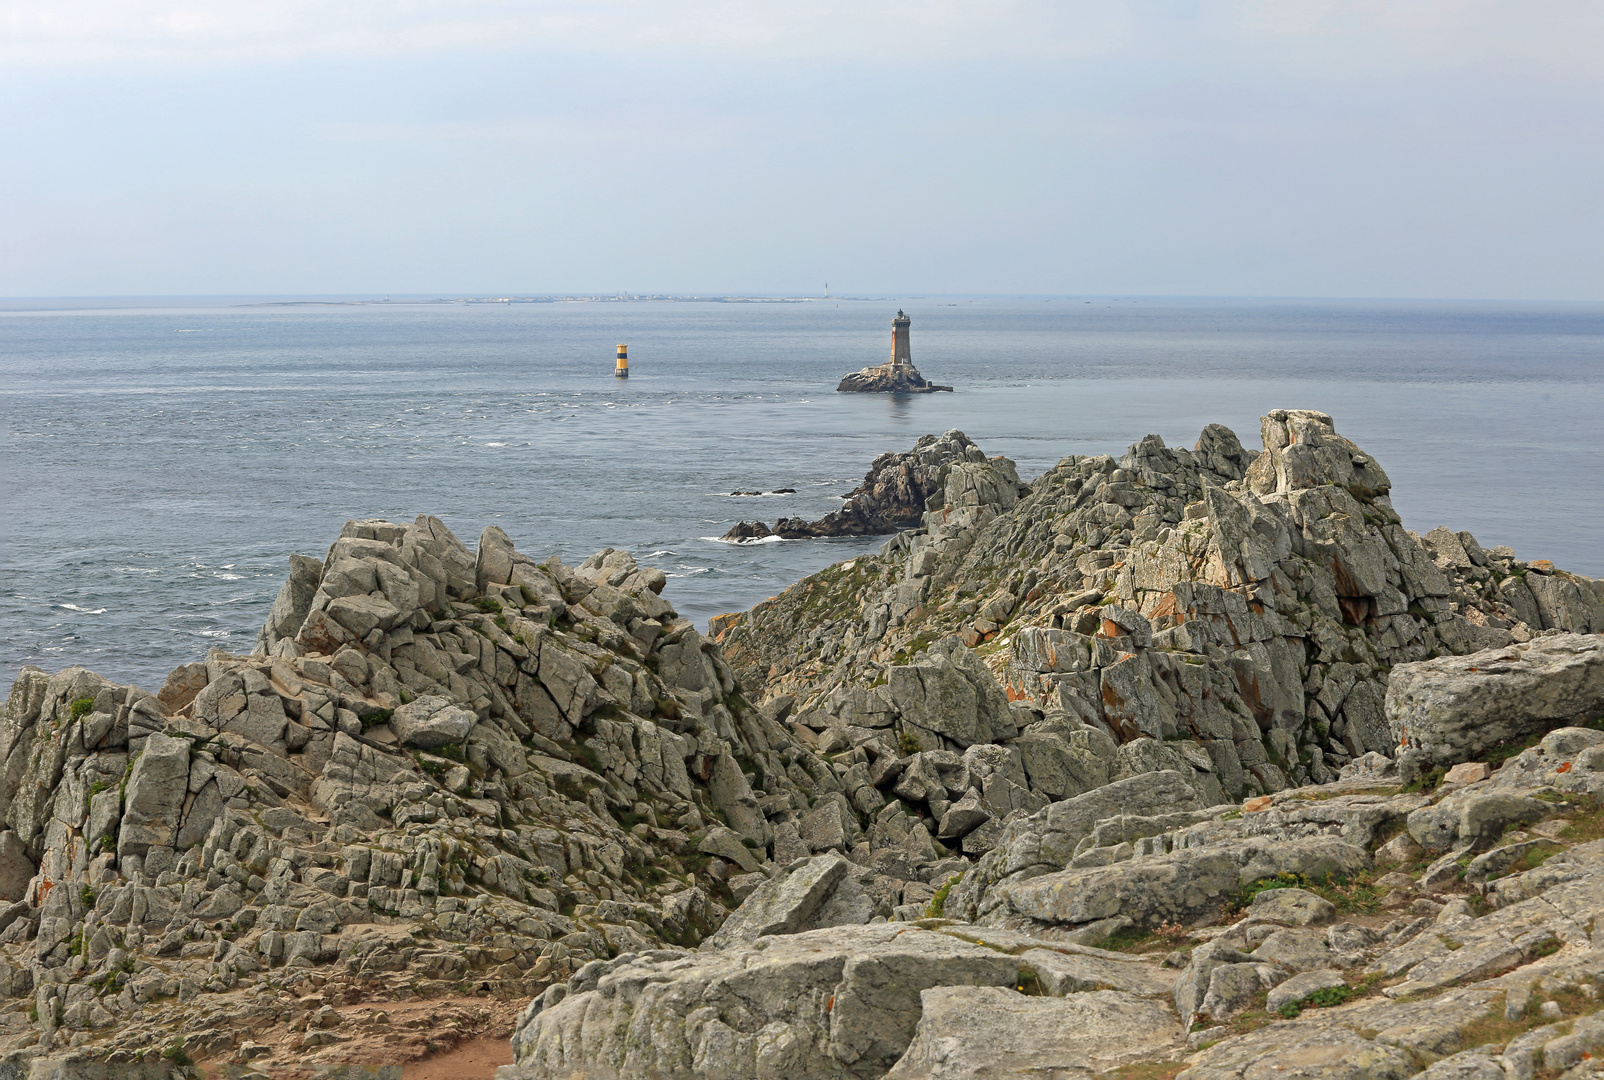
{"x": 1455, "y": 708}
{"x": 895, "y": 493}
{"x": 1230, "y": 615}
{"x": 443, "y": 771}
{"x": 889, "y": 378}
{"x": 1447, "y": 974}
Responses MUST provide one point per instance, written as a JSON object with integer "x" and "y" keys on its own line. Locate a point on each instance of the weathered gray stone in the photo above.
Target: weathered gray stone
{"x": 1178, "y": 886}
{"x": 951, "y": 692}
{"x": 963, "y": 817}
{"x": 733, "y": 795}
{"x": 1233, "y": 989}
{"x": 1454, "y": 708}
{"x": 155, "y": 796}
{"x": 1294, "y": 950}
{"x": 16, "y": 868}
{"x": 995, "y": 1033}
{"x": 1473, "y": 818}
{"x": 1062, "y": 968}
{"x": 291, "y": 605}
{"x": 783, "y": 904}
{"x": 1298, "y": 988}
{"x": 1295, "y": 907}
{"x": 826, "y": 1003}
{"x": 431, "y": 722}
{"x": 727, "y": 845}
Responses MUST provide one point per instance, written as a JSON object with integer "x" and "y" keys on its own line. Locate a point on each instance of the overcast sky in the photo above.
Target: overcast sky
{"x": 1416, "y": 148}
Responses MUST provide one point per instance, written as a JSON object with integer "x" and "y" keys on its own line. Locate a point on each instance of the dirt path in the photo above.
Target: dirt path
{"x": 475, "y": 1059}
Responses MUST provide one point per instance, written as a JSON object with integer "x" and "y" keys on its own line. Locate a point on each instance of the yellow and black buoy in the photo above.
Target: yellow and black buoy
{"x": 622, "y": 371}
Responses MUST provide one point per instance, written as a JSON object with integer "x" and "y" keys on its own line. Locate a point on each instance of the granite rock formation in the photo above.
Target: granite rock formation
{"x": 1228, "y": 614}
{"x": 1252, "y": 941}
{"x": 442, "y": 772}
{"x": 894, "y": 495}
{"x": 1079, "y": 774}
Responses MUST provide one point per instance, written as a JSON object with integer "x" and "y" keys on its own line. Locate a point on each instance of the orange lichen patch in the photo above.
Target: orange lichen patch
{"x": 1258, "y": 802}
{"x": 1167, "y": 608}
{"x": 1563, "y": 767}
{"x": 1109, "y": 628}
{"x": 1544, "y": 565}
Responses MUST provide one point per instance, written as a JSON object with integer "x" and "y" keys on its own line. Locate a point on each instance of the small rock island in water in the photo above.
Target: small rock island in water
{"x": 895, "y": 376}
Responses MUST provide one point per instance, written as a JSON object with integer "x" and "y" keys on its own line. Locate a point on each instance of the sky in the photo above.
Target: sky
{"x": 1343, "y": 148}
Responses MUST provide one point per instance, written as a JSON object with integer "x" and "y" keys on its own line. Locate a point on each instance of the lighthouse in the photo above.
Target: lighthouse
{"x": 901, "y": 356}
{"x": 895, "y": 376}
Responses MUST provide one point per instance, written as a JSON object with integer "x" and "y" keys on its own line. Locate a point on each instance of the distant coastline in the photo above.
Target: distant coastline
{"x": 619, "y": 298}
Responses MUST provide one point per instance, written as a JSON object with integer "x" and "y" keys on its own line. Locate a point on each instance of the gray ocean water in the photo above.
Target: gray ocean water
{"x": 163, "y": 458}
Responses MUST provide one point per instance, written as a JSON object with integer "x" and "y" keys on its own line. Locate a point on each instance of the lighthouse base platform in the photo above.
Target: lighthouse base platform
{"x": 889, "y": 379}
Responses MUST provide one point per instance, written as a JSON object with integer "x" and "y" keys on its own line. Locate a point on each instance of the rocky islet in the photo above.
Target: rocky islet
{"x": 1107, "y": 706}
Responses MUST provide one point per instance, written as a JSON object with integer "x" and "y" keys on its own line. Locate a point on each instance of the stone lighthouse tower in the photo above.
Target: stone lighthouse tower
{"x": 901, "y": 356}
{"x": 895, "y": 376}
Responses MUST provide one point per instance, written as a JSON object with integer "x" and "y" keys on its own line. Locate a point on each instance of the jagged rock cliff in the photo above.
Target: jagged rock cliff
{"x": 1228, "y": 614}
{"x": 443, "y": 771}
{"x": 450, "y": 773}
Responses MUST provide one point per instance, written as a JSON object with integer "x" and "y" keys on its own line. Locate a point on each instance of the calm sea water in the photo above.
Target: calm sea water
{"x": 164, "y": 458}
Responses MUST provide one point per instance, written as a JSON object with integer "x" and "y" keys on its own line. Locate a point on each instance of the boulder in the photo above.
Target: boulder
{"x": 1178, "y": 886}
{"x": 1296, "y": 907}
{"x": 1233, "y": 989}
{"x": 16, "y": 868}
{"x": 963, "y": 817}
{"x": 951, "y": 692}
{"x": 1473, "y": 818}
{"x": 796, "y": 899}
{"x": 1298, "y": 988}
{"x": 1062, "y": 968}
{"x": 292, "y": 604}
{"x": 155, "y": 796}
{"x": 1193, "y": 986}
{"x": 1454, "y": 708}
{"x": 726, "y": 844}
{"x": 996, "y": 1033}
{"x": 825, "y": 1004}
{"x": 1294, "y": 950}
{"x": 431, "y": 722}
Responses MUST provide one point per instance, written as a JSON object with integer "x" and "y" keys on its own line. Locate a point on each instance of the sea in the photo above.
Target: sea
{"x": 164, "y": 457}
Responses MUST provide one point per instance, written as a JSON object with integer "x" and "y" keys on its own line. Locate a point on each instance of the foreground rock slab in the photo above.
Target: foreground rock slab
{"x": 994, "y": 1033}
{"x": 1455, "y": 707}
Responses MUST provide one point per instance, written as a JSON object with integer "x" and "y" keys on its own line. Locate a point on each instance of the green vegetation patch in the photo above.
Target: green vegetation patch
{"x": 938, "y": 902}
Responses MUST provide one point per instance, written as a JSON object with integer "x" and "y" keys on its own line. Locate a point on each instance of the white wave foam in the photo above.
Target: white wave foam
{"x": 744, "y": 543}
{"x": 657, "y": 554}
{"x": 692, "y": 572}
{"x": 496, "y": 444}
{"x": 228, "y": 577}
{"x": 83, "y": 610}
